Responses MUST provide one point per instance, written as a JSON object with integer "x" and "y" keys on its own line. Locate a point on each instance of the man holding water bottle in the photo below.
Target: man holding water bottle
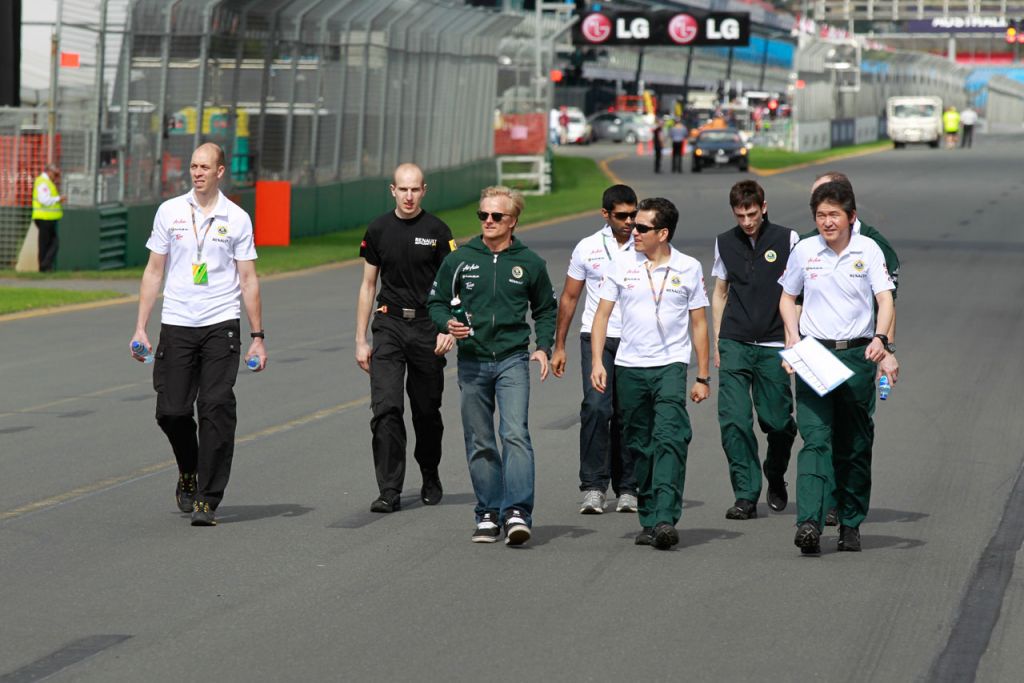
{"x": 842, "y": 276}
{"x": 202, "y": 248}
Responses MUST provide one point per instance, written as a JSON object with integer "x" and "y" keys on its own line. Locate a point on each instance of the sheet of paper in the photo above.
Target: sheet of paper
{"x": 816, "y": 365}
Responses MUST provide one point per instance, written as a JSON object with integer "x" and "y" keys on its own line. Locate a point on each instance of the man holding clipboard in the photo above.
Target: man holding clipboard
{"x": 841, "y": 275}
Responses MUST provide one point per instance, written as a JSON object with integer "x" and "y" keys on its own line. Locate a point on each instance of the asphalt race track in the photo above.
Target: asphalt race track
{"x": 101, "y": 579}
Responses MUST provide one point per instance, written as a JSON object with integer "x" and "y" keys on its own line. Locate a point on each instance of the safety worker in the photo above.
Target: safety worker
{"x": 403, "y": 248}
{"x": 603, "y": 460}
{"x": 749, "y": 260}
{"x": 968, "y": 118}
{"x": 951, "y": 125}
{"x": 46, "y": 212}
{"x": 842, "y": 277}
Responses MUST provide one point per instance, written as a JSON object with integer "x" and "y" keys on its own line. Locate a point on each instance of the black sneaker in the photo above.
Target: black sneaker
{"x": 487, "y": 529}
{"x": 849, "y": 539}
{"x": 832, "y": 517}
{"x": 645, "y": 537}
{"x": 185, "y": 492}
{"x": 517, "y": 532}
{"x": 742, "y": 509}
{"x": 665, "y": 536}
{"x": 386, "y": 502}
{"x": 777, "y": 496}
{"x": 431, "y": 493}
{"x": 808, "y": 538}
{"x": 202, "y": 514}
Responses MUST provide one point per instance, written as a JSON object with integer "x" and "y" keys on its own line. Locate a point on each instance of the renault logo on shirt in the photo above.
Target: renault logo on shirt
{"x": 425, "y": 242}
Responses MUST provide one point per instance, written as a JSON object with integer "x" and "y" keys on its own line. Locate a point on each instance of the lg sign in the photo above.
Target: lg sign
{"x": 664, "y": 28}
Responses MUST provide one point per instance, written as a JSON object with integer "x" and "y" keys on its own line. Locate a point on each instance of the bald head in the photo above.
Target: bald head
{"x": 831, "y": 177}
{"x": 216, "y": 150}
{"x": 408, "y": 189}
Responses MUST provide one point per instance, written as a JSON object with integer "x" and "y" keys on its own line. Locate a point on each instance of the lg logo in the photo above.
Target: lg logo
{"x": 597, "y": 28}
{"x": 682, "y": 28}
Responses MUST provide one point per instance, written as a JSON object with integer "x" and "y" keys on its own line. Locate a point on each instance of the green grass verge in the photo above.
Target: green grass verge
{"x": 773, "y": 159}
{"x": 17, "y": 299}
{"x": 577, "y": 181}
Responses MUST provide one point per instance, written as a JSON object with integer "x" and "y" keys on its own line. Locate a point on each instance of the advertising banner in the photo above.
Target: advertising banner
{"x": 664, "y": 27}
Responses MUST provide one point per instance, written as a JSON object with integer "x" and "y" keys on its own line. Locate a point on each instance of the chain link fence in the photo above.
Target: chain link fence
{"x": 308, "y": 91}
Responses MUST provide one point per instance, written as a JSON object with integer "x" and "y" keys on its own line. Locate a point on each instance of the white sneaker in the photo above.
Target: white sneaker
{"x": 593, "y": 503}
{"x": 627, "y": 503}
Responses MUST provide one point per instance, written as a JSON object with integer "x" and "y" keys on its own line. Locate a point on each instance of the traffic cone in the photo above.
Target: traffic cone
{"x": 639, "y": 148}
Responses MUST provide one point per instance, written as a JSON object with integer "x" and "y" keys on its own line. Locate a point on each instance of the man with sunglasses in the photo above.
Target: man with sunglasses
{"x": 602, "y": 458}
{"x": 404, "y": 248}
{"x": 749, "y": 260}
{"x": 661, "y": 294}
{"x": 481, "y": 296}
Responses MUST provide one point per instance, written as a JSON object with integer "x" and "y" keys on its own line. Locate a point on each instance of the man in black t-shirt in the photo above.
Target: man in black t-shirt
{"x": 404, "y": 247}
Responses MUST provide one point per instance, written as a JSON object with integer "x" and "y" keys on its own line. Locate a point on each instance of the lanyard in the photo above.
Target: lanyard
{"x": 604, "y": 243}
{"x": 199, "y": 243}
{"x": 657, "y": 297}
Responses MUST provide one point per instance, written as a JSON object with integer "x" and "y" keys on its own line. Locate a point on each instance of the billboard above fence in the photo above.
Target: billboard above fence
{"x": 665, "y": 27}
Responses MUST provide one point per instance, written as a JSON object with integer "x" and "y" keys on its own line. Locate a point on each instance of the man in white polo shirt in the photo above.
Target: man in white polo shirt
{"x": 842, "y": 275}
{"x": 603, "y": 461}
{"x": 203, "y": 244}
{"x": 661, "y": 294}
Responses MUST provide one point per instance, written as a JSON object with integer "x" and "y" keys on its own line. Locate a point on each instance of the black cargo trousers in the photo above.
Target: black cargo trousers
{"x": 197, "y": 367}
{"x": 403, "y": 355}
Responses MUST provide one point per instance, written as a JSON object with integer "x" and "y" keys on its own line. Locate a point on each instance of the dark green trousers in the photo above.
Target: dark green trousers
{"x": 656, "y": 431}
{"x": 838, "y": 435}
{"x": 752, "y": 378}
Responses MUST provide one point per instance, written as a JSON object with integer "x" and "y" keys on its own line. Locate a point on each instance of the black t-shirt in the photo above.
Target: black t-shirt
{"x": 408, "y": 253}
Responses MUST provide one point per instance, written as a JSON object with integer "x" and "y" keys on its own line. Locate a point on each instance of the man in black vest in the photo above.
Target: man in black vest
{"x": 749, "y": 260}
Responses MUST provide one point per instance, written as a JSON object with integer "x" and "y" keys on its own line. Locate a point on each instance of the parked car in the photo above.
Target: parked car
{"x": 619, "y": 126}
{"x": 578, "y": 130}
{"x": 719, "y": 148}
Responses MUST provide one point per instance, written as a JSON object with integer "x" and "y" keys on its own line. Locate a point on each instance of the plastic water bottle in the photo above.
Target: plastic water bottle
{"x": 253, "y": 363}
{"x": 883, "y": 387}
{"x": 461, "y": 314}
{"x": 139, "y": 350}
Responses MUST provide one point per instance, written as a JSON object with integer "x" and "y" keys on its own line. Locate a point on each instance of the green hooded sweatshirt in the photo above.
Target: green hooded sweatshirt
{"x": 497, "y": 290}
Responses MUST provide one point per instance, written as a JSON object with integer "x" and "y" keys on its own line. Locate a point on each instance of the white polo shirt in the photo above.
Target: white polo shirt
{"x": 839, "y": 289}
{"x": 589, "y": 262}
{"x": 226, "y": 236}
{"x": 653, "y": 335}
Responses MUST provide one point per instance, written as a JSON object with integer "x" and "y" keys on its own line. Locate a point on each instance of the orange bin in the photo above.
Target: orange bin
{"x": 273, "y": 227}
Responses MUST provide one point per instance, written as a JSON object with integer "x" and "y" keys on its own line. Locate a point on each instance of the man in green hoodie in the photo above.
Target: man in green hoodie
{"x": 481, "y": 296}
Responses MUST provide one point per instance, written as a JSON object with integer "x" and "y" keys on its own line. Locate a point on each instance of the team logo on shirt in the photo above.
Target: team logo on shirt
{"x": 425, "y": 242}
{"x": 517, "y": 272}
{"x": 676, "y": 281}
{"x": 858, "y": 265}
{"x": 222, "y": 230}
{"x": 770, "y": 256}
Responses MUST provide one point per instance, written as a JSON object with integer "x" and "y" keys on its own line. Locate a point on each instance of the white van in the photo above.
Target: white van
{"x": 914, "y": 119}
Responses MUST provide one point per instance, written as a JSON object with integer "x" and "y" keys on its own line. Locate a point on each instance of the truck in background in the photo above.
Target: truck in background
{"x": 914, "y": 120}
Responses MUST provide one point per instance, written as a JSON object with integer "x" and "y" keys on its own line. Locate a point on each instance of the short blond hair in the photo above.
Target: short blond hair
{"x": 513, "y": 196}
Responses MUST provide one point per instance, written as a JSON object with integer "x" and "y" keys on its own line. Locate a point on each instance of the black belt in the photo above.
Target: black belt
{"x": 403, "y": 313}
{"x": 840, "y": 344}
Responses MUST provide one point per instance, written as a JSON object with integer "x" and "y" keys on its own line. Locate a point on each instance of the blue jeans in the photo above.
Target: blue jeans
{"x": 602, "y": 458}
{"x": 501, "y": 481}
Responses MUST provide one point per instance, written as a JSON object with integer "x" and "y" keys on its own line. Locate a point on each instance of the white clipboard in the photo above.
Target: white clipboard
{"x": 816, "y": 365}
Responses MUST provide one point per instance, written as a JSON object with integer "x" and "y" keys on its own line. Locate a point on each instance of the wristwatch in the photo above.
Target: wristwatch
{"x": 891, "y": 348}
{"x": 258, "y": 335}
{"x": 704, "y": 380}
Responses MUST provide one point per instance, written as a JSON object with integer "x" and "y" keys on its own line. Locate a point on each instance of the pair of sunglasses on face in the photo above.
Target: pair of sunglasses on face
{"x": 496, "y": 216}
{"x": 644, "y": 229}
{"x": 639, "y": 227}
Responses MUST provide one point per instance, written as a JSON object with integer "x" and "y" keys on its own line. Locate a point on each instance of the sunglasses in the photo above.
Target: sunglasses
{"x": 496, "y": 216}
{"x": 623, "y": 215}
{"x": 644, "y": 229}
